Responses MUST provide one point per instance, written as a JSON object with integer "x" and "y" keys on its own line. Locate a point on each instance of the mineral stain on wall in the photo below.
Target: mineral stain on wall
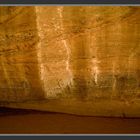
{"x": 81, "y": 60}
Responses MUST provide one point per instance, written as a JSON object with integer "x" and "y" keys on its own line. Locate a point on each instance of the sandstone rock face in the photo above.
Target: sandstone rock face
{"x": 91, "y": 50}
{"x": 18, "y": 58}
{"x": 82, "y": 53}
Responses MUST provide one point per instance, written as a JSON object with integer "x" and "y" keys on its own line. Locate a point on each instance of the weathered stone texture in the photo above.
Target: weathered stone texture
{"x": 90, "y": 49}
{"x": 83, "y": 53}
{"x": 18, "y": 57}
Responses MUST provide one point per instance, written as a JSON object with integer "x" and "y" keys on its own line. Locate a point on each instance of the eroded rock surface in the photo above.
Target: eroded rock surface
{"x": 18, "y": 55}
{"x": 72, "y": 53}
{"x": 89, "y": 50}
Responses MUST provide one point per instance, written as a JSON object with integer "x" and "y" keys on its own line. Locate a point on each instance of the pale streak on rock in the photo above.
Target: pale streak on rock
{"x": 95, "y": 69}
{"x": 39, "y": 57}
{"x": 95, "y": 61}
{"x": 115, "y": 66}
{"x": 66, "y": 45}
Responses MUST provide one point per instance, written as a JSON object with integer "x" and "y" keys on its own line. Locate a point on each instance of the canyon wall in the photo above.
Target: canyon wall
{"x": 89, "y": 51}
{"x": 18, "y": 55}
{"x": 76, "y": 55}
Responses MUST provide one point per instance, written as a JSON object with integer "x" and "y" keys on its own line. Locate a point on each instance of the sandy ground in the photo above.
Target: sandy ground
{"x": 29, "y": 121}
